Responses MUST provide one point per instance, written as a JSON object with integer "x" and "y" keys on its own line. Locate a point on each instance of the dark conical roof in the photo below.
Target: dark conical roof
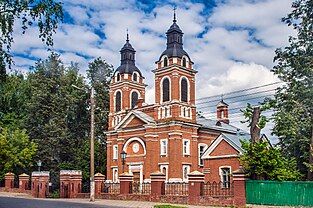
{"x": 128, "y": 65}
{"x": 174, "y": 41}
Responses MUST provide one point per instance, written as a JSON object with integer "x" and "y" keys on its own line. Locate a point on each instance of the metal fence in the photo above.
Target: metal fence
{"x": 176, "y": 188}
{"x": 141, "y": 188}
{"x": 280, "y": 193}
{"x": 111, "y": 188}
{"x": 218, "y": 189}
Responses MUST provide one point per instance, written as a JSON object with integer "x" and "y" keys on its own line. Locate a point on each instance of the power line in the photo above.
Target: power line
{"x": 238, "y": 91}
{"x": 245, "y": 95}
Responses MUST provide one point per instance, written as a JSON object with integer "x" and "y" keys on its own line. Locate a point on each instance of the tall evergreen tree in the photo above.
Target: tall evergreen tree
{"x": 57, "y": 115}
{"x": 294, "y": 107}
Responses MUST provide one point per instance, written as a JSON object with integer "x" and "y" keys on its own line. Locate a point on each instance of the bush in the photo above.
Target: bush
{"x": 167, "y": 206}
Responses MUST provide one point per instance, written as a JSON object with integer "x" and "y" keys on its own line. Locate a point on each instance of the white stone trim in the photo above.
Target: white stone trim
{"x": 187, "y": 153}
{"x": 130, "y": 97}
{"x": 138, "y": 140}
{"x": 216, "y": 142}
{"x": 161, "y": 89}
{"x": 114, "y": 98}
{"x": 199, "y": 156}
{"x": 188, "y": 88}
{"x": 162, "y": 153}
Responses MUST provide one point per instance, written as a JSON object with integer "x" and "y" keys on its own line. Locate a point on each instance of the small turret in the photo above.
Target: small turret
{"x": 222, "y": 112}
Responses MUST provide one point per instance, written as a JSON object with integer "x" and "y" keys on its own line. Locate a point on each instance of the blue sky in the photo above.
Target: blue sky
{"x": 231, "y": 42}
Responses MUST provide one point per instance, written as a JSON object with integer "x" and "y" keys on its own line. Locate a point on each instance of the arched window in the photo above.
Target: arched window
{"x": 184, "y": 62}
{"x": 118, "y": 101}
{"x": 135, "y": 76}
{"x": 118, "y": 77}
{"x": 166, "y": 89}
{"x": 184, "y": 90}
{"x": 134, "y": 99}
{"x": 165, "y": 61}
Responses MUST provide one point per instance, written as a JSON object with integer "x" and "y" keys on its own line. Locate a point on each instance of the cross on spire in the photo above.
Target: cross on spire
{"x": 174, "y": 20}
{"x": 127, "y": 36}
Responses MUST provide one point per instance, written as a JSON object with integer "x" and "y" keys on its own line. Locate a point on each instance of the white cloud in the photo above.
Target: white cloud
{"x": 232, "y": 46}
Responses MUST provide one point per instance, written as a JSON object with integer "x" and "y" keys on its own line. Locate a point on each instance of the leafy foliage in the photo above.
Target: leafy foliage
{"x": 294, "y": 110}
{"x": 45, "y": 13}
{"x": 248, "y": 112}
{"x": 266, "y": 163}
{"x": 16, "y": 151}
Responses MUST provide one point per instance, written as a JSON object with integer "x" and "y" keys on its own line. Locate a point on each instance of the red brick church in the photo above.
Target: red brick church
{"x": 167, "y": 136}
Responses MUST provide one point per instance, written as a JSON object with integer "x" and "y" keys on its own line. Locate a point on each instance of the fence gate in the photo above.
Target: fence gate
{"x": 293, "y": 193}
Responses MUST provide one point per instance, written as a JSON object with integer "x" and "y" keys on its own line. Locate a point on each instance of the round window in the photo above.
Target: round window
{"x": 135, "y": 147}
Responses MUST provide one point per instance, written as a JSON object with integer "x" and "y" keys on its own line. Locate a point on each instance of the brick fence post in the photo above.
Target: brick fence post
{"x": 40, "y": 183}
{"x": 239, "y": 178}
{"x": 99, "y": 180}
{"x": 70, "y": 183}
{"x": 157, "y": 185}
{"x": 23, "y": 183}
{"x": 195, "y": 186}
{"x": 9, "y": 180}
{"x": 126, "y": 180}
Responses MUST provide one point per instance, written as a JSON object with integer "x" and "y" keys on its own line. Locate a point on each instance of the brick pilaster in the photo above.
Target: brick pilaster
{"x": 195, "y": 184}
{"x": 9, "y": 180}
{"x": 99, "y": 180}
{"x": 23, "y": 183}
{"x": 126, "y": 180}
{"x": 157, "y": 183}
{"x": 239, "y": 178}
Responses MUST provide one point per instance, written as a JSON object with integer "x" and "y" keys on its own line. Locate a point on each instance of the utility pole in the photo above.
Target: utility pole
{"x": 92, "y": 141}
{"x": 92, "y": 145}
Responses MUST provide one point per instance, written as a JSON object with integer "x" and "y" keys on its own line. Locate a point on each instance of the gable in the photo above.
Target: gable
{"x": 134, "y": 118}
{"x": 224, "y": 148}
{"x": 134, "y": 121}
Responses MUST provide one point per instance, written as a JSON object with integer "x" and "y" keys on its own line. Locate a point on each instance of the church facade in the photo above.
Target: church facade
{"x": 167, "y": 136}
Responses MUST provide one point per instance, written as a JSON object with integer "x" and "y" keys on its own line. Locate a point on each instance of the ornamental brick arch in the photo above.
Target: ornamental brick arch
{"x": 135, "y": 147}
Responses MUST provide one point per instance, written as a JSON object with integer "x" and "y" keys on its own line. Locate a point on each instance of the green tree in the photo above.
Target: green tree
{"x": 16, "y": 151}
{"x": 57, "y": 113}
{"x": 14, "y": 96}
{"x": 46, "y": 14}
{"x": 294, "y": 108}
{"x": 263, "y": 162}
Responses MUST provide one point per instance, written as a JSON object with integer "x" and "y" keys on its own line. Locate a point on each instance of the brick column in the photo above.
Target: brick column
{"x": 157, "y": 184}
{"x": 99, "y": 180}
{"x": 9, "y": 180}
{"x": 126, "y": 180}
{"x": 40, "y": 183}
{"x": 70, "y": 183}
{"x": 195, "y": 186}
{"x": 239, "y": 178}
{"x": 23, "y": 183}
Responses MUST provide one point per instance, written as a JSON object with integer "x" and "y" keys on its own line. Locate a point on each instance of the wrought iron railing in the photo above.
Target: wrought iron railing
{"x": 176, "y": 188}
{"x": 141, "y": 188}
{"x": 111, "y": 188}
{"x": 218, "y": 189}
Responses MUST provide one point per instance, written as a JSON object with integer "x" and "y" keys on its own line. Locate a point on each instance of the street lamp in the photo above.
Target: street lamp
{"x": 39, "y": 164}
{"x": 92, "y": 141}
{"x": 123, "y": 156}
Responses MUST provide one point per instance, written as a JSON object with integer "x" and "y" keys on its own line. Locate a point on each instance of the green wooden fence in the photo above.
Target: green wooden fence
{"x": 295, "y": 193}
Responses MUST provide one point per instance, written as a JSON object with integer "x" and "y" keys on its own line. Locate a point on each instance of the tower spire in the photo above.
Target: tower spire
{"x": 174, "y": 19}
{"x": 127, "y": 36}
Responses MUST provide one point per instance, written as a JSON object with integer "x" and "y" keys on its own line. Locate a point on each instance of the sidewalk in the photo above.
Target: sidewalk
{"x": 113, "y": 203}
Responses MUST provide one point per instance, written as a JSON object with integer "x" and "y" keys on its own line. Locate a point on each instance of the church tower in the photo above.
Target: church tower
{"x": 127, "y": 88}
{"x": 175, "y": 79}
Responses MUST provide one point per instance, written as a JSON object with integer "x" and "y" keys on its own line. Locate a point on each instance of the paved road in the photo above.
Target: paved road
{"x": 13, "y": 202}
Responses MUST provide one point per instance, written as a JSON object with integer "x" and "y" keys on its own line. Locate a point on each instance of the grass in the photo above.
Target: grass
{"x": 167, "y": 206}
